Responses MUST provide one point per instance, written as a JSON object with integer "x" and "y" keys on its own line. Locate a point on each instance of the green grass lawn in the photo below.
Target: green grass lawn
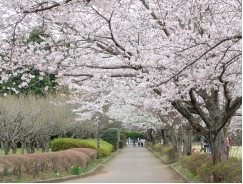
{"x": 19, "y": 151}
{"x": 235, "y": 151}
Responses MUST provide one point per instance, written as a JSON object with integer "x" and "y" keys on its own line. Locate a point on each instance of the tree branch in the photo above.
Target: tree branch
{"x": 45, "y": 8}
{"x": 236, "y": 104}
{"x": 156, "y": 18}
{"x": 192, "y": 120}
{"x": 199, "y": 110}
{"x": 193, "y": 62}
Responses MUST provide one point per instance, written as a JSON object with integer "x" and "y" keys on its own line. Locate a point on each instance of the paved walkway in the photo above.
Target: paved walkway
{"x": 133, "y": 165}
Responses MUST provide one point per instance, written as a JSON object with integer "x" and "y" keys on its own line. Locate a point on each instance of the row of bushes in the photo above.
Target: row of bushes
{"x": 202, "y": 165}
{"x": 165, "y": 150}
{"x": 18, "y": 165}
{"x": 67, "y": 143}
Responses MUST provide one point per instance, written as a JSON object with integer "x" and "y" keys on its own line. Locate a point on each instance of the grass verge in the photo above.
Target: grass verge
{"x": 186, "y": 172}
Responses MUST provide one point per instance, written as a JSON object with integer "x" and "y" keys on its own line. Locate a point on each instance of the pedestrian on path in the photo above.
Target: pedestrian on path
{"x": 138, "y": 143}
{"x": 228, "y": 145}
{"x": 208, "y": 147}
{"x": 141, "y": 143}
{"x": 134, "y": 142}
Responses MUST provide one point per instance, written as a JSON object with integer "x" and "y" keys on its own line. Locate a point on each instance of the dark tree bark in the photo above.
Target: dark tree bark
{"x": 14, "y": 148}
{"x": 43, "y": 147}
{"x": 179, "y": 140}
{"x": 32, "y": 147}
{"x": 6, "y": 147}
{"x": 173, "y": 140}
{"x": 164, "y": 136}
{"x": 37, "y": 146}
{"x": 215, "y": 120}
{"x": 150, "y": 134}
{"x": 1, "y": 142}
{"x": 47, "y": 144}
{"x": 22, "y": 148}
{"x": 27, "y": 148}
{"x": 187, "y": 137}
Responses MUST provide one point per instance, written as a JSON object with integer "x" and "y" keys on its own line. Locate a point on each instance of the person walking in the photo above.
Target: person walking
{"x": 141, "y": 143}
{"x": 134, "y": 142}
{"x": 205, "y": 145}
{"x": 228, "y": 145}
{"x": 208, "y": 147}
{"x": 138, "y": 143}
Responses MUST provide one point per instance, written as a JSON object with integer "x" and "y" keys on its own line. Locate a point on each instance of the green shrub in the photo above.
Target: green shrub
{"x": 75, "y": 170}
{"x": 111, "y": 136}
{"x": 194, "y": 161}
{"x": 67, "y": 143}
{"x": 133, "y": 134}
{"x": 202, "y": 166}
{"x": 230, "y": 171}
{"x": 149, "y": 144}
{"x": 158, "y": 147}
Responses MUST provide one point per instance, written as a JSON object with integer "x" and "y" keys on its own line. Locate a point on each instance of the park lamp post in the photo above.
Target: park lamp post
{"x": 98, "y": 139}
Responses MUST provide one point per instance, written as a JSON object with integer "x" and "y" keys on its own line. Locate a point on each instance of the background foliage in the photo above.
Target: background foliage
{"x": 111, "y": 136}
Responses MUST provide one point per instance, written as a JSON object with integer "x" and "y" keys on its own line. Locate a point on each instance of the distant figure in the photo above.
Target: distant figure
{"x": 205, "y": 145}
{"x": 139, "y": 143}
{"x": 134, "y": 142}
{"x": 228, "y": 145}
{"x": 208, "y": 147}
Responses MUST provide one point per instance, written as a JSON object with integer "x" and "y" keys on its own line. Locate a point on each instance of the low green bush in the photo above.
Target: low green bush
{"x": 67, "y": 143}
{"x": 166, "y": 150}
{"x": 149, "y": 144}
{"x": 194, "y": 161}
{"x": 157, "y": 147}
{"x": 202, "y": 165}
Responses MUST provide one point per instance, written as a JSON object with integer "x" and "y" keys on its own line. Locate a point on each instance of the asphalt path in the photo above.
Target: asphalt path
{"x": 133, "y": 165}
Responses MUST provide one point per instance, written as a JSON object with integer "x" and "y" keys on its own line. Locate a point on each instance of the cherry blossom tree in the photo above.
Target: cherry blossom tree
{"x": 188, "y": 53}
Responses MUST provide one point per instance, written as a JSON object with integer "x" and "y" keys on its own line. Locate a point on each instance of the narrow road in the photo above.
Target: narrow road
{"x": 133, "y": 165}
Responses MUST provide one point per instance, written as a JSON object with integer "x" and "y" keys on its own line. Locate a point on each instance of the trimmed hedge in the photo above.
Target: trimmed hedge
{"x": 202, "y": 165}
{"x": 166, "y": 150}
{"x": 31, "y": 164}
{"x": 111, "y": 136}
{"x": 67, "y": 143}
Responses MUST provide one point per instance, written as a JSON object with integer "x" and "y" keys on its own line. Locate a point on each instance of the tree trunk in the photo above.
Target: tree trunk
{"x": 37, "y": 146}
{"x": 218, "y": 147}
{"x": 27, "y": 147}
{"x": 32, "y": 147}
{"x": 47, "y": 144}
{"x": 14, "y": 148}
{"x": 22, "y": 148}
{"x": 187, "y": 144}
{"x": 164, "y": 136}
{"x": 6, "y": 147}
{"x": 150, "y": 133}
{"x": 173, "y": 140}
{"x": 218, "y": 150}
{"x": 179, "y": 141}
{"x": 1, "y": 142}
{"x": 43, "y": 147}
